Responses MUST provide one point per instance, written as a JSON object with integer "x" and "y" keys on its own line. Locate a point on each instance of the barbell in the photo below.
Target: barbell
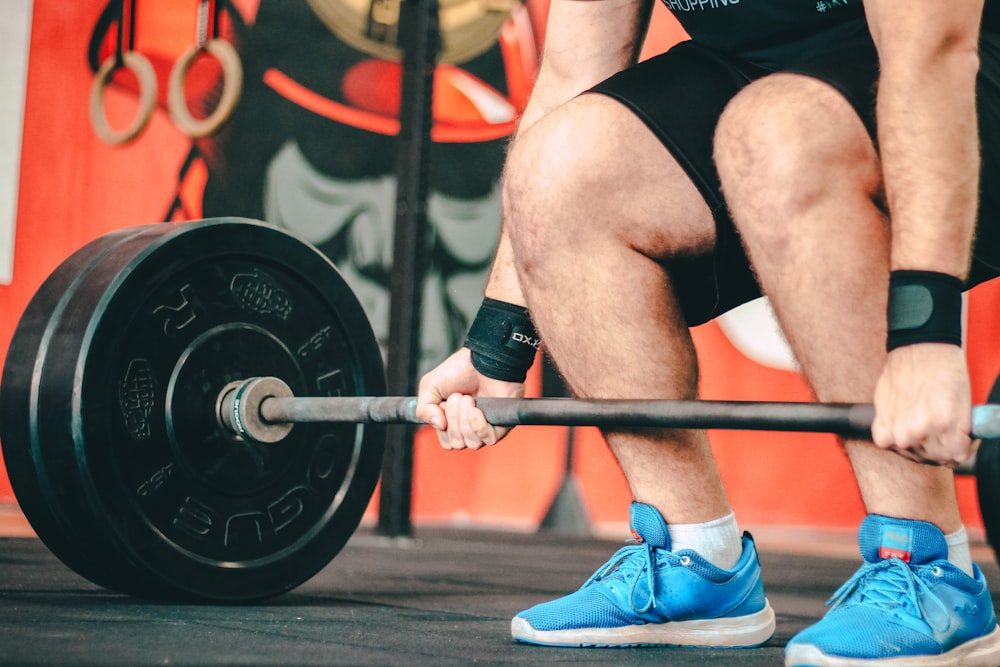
{"x": 196, "y": 412}
{"x": 263, "y": 410}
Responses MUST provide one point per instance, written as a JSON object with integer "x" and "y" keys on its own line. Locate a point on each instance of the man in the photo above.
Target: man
{"x": 834, "y": 143}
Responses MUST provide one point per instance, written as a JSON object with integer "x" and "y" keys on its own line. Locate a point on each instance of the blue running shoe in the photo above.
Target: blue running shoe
{"x": 907, "y": 605}
{"x": 647, "y": 595}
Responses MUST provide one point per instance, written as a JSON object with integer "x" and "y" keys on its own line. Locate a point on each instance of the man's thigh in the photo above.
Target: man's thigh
{"x": 681, "y": 94}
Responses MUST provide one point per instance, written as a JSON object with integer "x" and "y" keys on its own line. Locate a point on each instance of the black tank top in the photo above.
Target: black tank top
{"x": 771, "y": 31}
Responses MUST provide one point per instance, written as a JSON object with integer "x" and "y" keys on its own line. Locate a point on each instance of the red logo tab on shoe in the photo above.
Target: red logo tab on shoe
{"x": 895, "y": 543}
{"x": 636, "y": 536}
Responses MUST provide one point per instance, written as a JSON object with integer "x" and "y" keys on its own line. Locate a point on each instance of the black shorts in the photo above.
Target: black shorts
{"x": 681, "y": 94}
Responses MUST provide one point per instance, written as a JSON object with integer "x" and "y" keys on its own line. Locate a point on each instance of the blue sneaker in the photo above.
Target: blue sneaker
{"x": 907, "y": 605}
{"x": 647, "y": 595}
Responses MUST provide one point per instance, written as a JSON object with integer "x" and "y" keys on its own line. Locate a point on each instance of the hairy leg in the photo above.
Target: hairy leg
{"x": 803, "y": 182}
{"x": 593, "y": 201}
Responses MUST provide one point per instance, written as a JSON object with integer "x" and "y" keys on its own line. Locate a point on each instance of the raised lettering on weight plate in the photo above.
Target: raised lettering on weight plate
{"x": 243, "y": 529}
{"x": 178, "y": 315}
{"x": 194, "y": 517}
{"x": 287, "y": 509}
{"x": 260, "y": 293}
{"x": 315, "y": 342}
{"x": 155, "y": 481}
{"x": 332, "y": 383}
{"x": 136, "y": 398}
{"x": 323, "y": 461}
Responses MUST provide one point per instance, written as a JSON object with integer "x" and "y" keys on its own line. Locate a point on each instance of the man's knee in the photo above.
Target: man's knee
{"x": 783, "y": 138}
{"x": 554, "y": 169}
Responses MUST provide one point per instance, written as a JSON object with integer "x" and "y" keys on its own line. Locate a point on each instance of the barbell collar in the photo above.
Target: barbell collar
{"x": 239, "y": 409}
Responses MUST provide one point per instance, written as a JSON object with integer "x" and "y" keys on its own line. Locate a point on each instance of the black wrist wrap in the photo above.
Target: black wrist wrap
{"x": 924, "y": 307}
{"x": 503, "y": 341}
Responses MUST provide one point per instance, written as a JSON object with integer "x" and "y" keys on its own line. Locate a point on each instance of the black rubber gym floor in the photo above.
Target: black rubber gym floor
{"x": 443, "y": 598}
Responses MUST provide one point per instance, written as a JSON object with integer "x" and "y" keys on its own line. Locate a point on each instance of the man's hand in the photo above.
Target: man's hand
{"x": 923, "y": 405}
{"x": 445, "y": 401}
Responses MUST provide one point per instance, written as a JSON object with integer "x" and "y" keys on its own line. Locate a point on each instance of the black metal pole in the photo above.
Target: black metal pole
{"x": 419, "y": 38}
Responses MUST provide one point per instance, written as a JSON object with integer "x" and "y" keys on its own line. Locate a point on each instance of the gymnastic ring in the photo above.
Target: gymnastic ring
{"x": 146, "y": 78}
{"x": 232, "y": 85}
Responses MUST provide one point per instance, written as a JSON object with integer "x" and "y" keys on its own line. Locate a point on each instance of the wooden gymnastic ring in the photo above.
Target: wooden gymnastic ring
{"x": 232, "y": 85}
{"x": 146, "y": 78}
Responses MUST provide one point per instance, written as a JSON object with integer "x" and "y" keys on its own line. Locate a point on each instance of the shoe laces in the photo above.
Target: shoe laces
{"x": 891, "y": 585}
{"x": 637, "y": 563}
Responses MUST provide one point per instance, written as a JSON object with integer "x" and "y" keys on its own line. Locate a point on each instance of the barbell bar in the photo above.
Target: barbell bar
{"x": 263, "y": 409}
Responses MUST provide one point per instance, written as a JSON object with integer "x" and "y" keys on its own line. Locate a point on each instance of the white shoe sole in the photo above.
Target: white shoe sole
{"x": 981, "y": 652}
{"x": 738, "y": 632}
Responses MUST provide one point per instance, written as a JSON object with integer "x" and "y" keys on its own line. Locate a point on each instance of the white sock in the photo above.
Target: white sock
{"x": 717, "y": 541}
{"x": 959, "y": 553}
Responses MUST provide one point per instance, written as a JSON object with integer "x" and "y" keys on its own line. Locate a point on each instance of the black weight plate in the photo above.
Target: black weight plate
{"x": 42, "y": 501}
{"x": 988, "y": 480}
{"x": 159, "y": 328}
